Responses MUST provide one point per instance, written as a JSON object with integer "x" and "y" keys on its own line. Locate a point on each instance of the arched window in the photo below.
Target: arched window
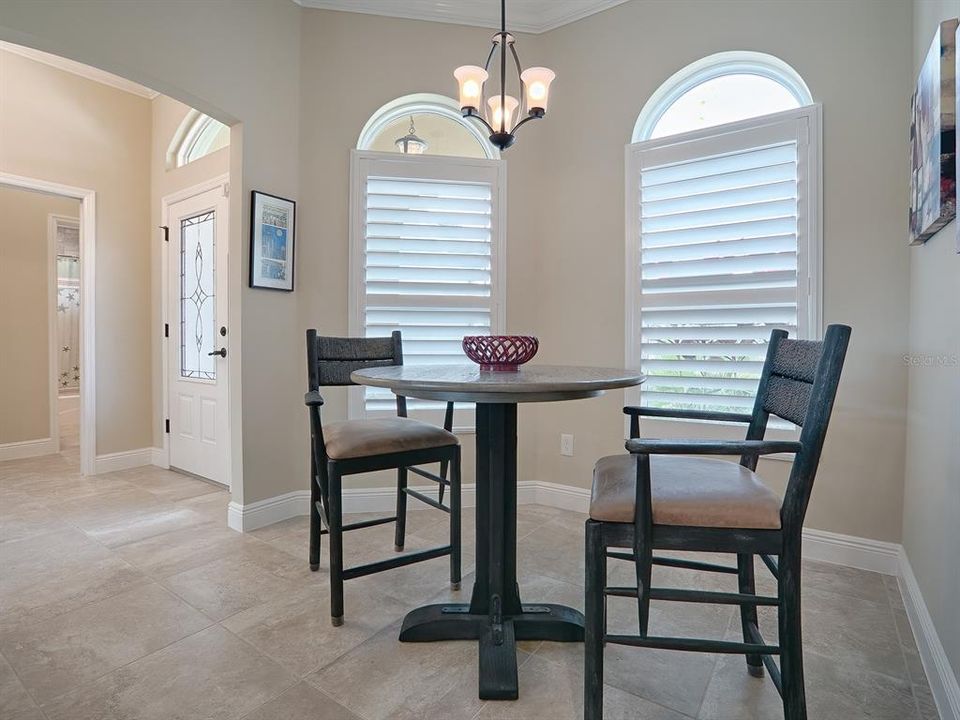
{"x": 723, "y": 231}
{"x": 435, "y": 120}
{"x": 720, "y": 89}
{"x": 427, "y": 239}
{"x": 197, "y": 136}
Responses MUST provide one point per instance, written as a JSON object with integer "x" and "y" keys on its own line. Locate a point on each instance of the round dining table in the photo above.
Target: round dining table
{"x": 495, "y": 616}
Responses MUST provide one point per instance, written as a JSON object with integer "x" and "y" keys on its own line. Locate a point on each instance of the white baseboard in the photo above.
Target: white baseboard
{"x": 253, "y": 516}
{"x": 28, "y": 449}
{"x": 160, "y": 457}
{"x": 856, "y": 552}
{"x": 941, "y": 676}
{"x": 125, "y": 460}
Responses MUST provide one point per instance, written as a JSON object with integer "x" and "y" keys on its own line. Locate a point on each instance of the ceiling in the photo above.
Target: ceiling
{"x": 533, "y": 16}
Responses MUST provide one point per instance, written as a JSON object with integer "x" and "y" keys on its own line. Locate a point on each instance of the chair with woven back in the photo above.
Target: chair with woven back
{"x": 665, "y": 496}
{"x": 367, "y": 445}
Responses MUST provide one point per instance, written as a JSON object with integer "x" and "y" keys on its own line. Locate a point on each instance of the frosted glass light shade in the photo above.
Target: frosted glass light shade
{"x": 536, "y": 84}
{"x": 496, "y": 115}
{"x": 471, "y": 79}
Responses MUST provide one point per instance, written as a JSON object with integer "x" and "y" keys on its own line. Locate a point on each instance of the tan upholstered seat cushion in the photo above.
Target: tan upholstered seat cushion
{"x": 362, "y": 438}
{"x": 697, "y": 492}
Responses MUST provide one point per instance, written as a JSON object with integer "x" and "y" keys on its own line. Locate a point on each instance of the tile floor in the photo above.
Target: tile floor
{"x": 125, "y": 596}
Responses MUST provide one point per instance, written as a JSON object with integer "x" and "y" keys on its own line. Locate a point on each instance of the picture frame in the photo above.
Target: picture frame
{"x": 272, "y": 241}
{"x": 933, "y": 130}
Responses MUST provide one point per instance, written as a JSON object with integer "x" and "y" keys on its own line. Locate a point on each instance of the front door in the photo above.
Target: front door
{"x": 197, "y": 336}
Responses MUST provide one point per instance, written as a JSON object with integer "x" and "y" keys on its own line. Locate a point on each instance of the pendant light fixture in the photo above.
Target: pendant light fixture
{"x": 410, "y": 144}
{"x": 499, "y": 112}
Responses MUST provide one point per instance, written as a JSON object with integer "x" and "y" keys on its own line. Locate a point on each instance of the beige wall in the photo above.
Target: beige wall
{"x": 62, "y": 128}
{"x": 931, "y": 532}
{"x": 25, "y": 297}
{"x": 240, "y": 63}
{"x": 855, "y": 57}
{"x": 167, "y": 116}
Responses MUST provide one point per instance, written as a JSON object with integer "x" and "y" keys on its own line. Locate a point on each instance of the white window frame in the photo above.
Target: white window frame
{"x": 734, "y": 62}
{"x": 364, "y": 163}
{"x": 809, "y": 226}
{"x": 423, "y": 104}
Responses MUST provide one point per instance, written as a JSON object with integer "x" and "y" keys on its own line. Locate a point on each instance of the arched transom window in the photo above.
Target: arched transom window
{"x": 719, "y": 89}
{"x": 197, "y": 136}
{"x": 723, "y": 229}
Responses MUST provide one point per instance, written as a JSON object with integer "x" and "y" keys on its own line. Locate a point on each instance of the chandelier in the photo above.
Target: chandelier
{"x": 410, "y": 144}
{"x": 500, "y": 113}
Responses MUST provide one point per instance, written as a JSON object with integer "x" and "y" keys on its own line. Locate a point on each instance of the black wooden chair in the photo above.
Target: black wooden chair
{"x": 360, "y": 446}
{"x": 654, "y": 499}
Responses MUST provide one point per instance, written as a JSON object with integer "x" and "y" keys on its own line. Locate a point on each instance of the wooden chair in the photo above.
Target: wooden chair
{"x": 654, "y": 499}
{"x": 360, "y": 446}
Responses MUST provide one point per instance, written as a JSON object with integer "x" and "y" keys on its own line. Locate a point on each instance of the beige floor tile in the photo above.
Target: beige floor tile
{"x": 58, "y": 655}
{"x": 15, "y": 702}
{"x": 211, "y": 674}
{"x": 226, "y": 586}
{"x": 183, "y": 549}
{"x": 554, "y": 691}
{"x": 22, "y": 516}
{"x": 302, "y": 702}
{"x": 859, "y": 633}
{"x": 48, "y": 575}
{"x": 167, "y": 485}
{"x": 295, "y": 630}
{"x": 383, "y": 678}
{"x": 835, "y": 691}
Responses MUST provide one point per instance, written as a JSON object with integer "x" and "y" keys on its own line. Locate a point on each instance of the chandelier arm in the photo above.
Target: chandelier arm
{"x": 528, "y": 118}
{"x": 516, "y": 60}
{"x": 469, "y": 113}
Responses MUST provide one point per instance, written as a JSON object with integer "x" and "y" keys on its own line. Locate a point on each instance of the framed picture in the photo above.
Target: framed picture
{"x": 933, "y": 138}
{"x": 272, "y": 238}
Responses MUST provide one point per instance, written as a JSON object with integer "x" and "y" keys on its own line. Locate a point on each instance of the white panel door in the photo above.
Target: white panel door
{"x": 197, "y": 336}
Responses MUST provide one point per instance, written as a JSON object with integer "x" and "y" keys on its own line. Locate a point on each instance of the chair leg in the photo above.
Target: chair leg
{"x": 315, "y": 523}
{"x": 443, "y": 473}
{"x": 748, "y": 613}
{"x": 454, "y": 520}
{"x": 644, "y": 567}
{"x": 401, "y": 532}
{"x": 791, "y": 646}
{"x": 335, "y": 510}
{"x": 594, "y": 622}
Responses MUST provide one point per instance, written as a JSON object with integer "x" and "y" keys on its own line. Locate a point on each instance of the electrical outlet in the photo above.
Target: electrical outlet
{"x": 566, "y": 445}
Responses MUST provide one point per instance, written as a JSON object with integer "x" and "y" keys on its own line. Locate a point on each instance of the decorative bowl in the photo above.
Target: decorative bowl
{"x": 500, "y": 353}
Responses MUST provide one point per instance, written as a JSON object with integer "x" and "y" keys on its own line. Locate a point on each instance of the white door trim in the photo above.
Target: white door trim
{"x": 221, "y": 181}
{"x": 88, "y": 337}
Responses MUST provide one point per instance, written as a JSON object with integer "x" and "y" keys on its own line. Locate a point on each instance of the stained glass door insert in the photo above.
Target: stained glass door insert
{"x": 197, "y": 297}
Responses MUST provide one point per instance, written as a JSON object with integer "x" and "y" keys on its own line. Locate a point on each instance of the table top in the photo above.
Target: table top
{"x": 467, "y": 383}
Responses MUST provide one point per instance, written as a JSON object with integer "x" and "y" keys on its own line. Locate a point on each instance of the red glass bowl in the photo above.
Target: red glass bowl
{"x": 504, "y": 353}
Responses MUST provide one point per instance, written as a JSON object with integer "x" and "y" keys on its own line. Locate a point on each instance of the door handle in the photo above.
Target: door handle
{"x": 222, "y": 352}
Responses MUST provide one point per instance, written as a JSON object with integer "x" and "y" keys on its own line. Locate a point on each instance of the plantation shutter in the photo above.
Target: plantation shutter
{"x": 721, "y": 237}
{"x": 430, "y": 261}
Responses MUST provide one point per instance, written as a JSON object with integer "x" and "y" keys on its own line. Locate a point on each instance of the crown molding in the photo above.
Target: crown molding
{"x": 460, "y": 15}
{"x": 84, "y": 71}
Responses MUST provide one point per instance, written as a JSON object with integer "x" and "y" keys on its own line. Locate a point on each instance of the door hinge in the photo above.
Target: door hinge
{"x": 166, "y": 425}
{"x": 226, "y": 189}
{"x": 166, "y": 329}
{"x": 166, "y": 233}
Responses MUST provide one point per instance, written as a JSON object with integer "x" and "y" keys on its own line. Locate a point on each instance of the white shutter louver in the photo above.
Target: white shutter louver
{"x": 719, "y": 242}
{"x": 428, "y": 267}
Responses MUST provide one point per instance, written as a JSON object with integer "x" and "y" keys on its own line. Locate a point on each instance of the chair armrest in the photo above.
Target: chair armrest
{"x": 313, "y": 399}
{"x": 640, "y": 411}
{"x": 712, "y": 447}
